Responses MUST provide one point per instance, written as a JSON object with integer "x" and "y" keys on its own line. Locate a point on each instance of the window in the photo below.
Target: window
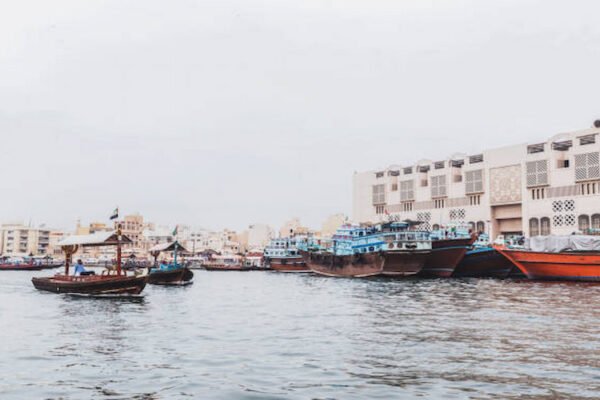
{"x": 537, "y": 173}
{"x": 407, "y": 190}
{"x": 588, "y": 188}
{"x": 439, "y": 165}
{"x": 475, "y": 200}
{"x": 534, "y": 227}
{"x": 474, "y": 181}
{"x": 394, "y": 173}
{"x": 480, "y": 226}
{"x": 538, "y": 194}
{"x": 476, "y": 159}
{"x": 438, "y": 186}
{"x": 439, "y": 203}
{"x": 583, "y": 222}
{"x": 587, "y": 166}
{"x": 535, "y": 148}
{"x": 596, "y": 221}
{"x": 379, "y": 174}
{"x": 435, "y": 227}
{"x": 379, "y": 209}
{"x": 562, "y": 146}
{"x": 407, "y": 170}
{"x": 562, "y": 164}
{"x": 407, "y": 206}
{"x": 394, "y": 187}
{"x": 378, "y": 194}
{"x": 587, "y": 139}
{"x": 545, "y": 226}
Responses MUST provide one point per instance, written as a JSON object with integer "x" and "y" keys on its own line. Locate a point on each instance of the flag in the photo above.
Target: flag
{"x": 115, "y": 214}
{"x": 175, "y": 231}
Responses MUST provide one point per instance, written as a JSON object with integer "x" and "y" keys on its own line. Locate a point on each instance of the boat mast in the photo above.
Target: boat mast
{"x": 119, "y": 249}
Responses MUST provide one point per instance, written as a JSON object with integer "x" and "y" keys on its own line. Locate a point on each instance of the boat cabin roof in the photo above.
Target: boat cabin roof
{"x": 95, "y": 240}
{"x": 168, "y": 247}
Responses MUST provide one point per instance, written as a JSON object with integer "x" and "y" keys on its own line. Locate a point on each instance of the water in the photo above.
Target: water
{"x": 260, "y": 335}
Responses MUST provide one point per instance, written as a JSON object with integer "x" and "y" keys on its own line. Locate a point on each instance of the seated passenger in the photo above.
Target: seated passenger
{"x": 79, "y": 269}
{"x": 163, "y": 265}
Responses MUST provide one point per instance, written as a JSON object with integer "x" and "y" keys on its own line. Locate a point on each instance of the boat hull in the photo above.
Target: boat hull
{"x": 404, "y": 262}
{"x": 445, "y": 256}
{"x": 567, "y": 266}
{"x": 170, "y": 277}
{"x": 92, "y": 284}
{"x": 295, "y": 264}
{"x": 358, "y": 266}
{"x": 28, "y": 267}
{"x": 483, "y": 263}
{"x": 226, "y": 268}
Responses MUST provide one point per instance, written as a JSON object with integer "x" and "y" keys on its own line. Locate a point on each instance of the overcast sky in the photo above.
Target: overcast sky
{"x": 223, "y": 113}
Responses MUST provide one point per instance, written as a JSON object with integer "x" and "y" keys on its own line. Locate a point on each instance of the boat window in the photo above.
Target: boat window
{"x": 371, "y": 248}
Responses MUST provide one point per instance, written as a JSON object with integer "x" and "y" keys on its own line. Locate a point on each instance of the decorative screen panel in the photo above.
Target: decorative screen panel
{"x": 407, "y": 190}
{"x": 505, "y": 184}
{"x": 474, "y": 181}
{"x": 537, "y": 173}
{"x": 438, "y": 186}
{"x": 378, "y": 194}
{"x": 587, "y": 166}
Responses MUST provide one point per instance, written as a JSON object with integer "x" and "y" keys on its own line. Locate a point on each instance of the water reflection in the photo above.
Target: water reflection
{"x": 262, "y": 335}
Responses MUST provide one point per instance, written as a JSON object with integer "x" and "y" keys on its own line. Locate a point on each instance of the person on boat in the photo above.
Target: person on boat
{"x": 163, "y": 265}
{"x": 79, "y": 269}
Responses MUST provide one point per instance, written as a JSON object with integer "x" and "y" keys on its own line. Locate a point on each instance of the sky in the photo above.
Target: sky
{"x": 224, "y": 113}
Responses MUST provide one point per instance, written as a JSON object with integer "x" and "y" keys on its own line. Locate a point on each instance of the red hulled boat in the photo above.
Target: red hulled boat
{"x": 576, "y": 258}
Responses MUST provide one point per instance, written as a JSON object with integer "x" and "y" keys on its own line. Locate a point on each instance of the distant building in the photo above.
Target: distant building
{"x": 549, "y": 187}
{"x": 259, "y": 236}
{"x": 21, "y": 240}
{"x": 132, "y": 226}
{"x": 332, "y": 223}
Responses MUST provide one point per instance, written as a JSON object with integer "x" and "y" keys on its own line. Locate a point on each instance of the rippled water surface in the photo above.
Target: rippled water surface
{"x": 260, "y": 335}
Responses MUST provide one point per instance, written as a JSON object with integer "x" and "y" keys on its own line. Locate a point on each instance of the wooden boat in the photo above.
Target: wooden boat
{"x": 357, "y": 265}
{"x": 282, "y": 256}
{"x": 173, "y": 274}
{"x": 405, "y": 252}
{"x": 226, "y": 262}
{"x": 114, "y": 282}
{"x": 484, "y": 262}
{"x": 445, "y": 255}
{"x": 568, "y": 264}
{"x": 225, "y": 267}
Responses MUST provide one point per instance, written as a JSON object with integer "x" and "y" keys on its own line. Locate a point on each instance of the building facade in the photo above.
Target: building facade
{"x": 550, "y": 187}
{"x": 21, "y": 240}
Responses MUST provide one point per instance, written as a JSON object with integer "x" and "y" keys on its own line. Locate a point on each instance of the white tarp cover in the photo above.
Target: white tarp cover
{"x": 555, "y": 243}
{"x": 95, "y": 239}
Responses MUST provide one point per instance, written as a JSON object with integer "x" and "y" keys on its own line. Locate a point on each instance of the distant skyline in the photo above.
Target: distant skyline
{"x": 222, "y": 114}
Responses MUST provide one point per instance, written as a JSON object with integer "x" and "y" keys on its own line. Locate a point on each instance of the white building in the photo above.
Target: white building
{"x": 535, "y": 188}
{"x": 259, "y": 235}
{"x": 21, "y": 240}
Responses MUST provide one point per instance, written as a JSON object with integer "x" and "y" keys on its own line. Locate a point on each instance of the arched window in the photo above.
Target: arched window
{"x": 435, "y": 227}
{"x": 534, "y": 227}
{"x": 545, "y": 226}
{"x": 480, "y": 226}
{"x": 583, "y": 222}
{"x": 596, "y": 221}
{"x": 472, "y": 225}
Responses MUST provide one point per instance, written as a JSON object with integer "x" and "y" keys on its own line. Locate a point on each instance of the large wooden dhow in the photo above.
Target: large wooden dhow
{"x": 405, "y": 252}
{"x": 446, "y": 253}
{"x": 169, "y": 274}
{"x": 353, "y": 251}
{"x": 282, "y": 255}
{"x": 111, "y": 282}
{"x": 568, "y": 258}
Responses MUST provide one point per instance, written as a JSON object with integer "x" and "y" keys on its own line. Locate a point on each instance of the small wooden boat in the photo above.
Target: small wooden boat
{"x": 226, "y": 262}
{"x": 577, "y": 261}
{"x": 109, "y": 283}
{"x": 171, "y": 274}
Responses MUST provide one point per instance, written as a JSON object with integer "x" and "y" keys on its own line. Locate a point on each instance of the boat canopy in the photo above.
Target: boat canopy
{"x": 168, "y": 247}
{"x": 95, "y": 239}
{"x": 556, "y": 243}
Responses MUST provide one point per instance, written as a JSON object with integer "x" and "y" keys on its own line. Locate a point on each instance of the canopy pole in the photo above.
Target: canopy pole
{"x": 119, "y": 249}
{"x": 175, "y": 254}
